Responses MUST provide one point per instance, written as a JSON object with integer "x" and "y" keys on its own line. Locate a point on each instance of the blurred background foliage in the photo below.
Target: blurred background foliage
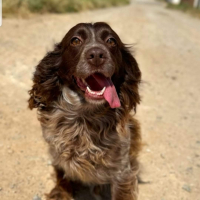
{"x": 24, "y": 7}
{"x": 186, "y": 7}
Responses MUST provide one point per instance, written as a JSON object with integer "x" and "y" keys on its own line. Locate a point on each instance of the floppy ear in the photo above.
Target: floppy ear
{"x": 132, "y": 78}
{"x": 46, "y": 83}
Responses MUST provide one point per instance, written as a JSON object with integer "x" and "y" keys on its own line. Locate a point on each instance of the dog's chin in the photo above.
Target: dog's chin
{"x": 95, "y": 101}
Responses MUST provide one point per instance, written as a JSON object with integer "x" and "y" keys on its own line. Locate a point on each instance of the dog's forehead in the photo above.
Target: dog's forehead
{"x": 91, "y": 30}
{"x": 91, "y": 33}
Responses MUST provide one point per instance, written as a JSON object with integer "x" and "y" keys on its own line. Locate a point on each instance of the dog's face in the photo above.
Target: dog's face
{"x": 93, "y": 62}
{"x": 92, "y": 57}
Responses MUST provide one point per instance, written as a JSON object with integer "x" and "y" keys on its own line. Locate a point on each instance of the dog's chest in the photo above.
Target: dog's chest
{"x": 85, "y": 154}
{"x": 86, "y": 151}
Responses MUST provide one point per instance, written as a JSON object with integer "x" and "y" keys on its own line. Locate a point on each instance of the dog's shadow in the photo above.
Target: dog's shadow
{"x": 90, "y": 192}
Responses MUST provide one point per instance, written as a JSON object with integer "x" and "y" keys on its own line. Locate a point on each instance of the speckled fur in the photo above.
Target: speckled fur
{"x": 89, "y": 143}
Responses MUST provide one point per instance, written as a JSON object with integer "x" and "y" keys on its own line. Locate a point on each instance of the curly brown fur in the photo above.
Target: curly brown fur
{"x": 90, "y": 142}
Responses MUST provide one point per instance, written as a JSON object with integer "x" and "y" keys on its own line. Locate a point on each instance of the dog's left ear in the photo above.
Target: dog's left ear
{"x": 46, "y": 84}
{"x": 132, "y": 78}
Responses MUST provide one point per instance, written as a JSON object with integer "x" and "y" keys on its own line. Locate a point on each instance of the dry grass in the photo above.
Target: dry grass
{"x": 185, "y": 7}
{"x": 24, "y": 7}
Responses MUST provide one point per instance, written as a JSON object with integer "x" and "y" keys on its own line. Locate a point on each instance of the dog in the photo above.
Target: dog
{"x": 85, "y": 91}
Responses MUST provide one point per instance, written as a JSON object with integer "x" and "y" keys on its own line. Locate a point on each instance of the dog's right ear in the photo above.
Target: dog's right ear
{"x": 46, "y": 83}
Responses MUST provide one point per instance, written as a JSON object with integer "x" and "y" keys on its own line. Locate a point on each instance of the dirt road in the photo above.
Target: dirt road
{"x": 167, "y": 45}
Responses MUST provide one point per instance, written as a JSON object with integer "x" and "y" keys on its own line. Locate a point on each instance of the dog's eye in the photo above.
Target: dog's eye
{"x": 75, "y": 41}
{"x": 111, "y": 42}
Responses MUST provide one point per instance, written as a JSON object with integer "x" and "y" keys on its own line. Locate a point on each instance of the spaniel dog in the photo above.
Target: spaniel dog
{"x": 84, "y": 91}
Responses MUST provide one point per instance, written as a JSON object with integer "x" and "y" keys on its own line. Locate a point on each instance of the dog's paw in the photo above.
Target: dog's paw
{"x": 58, "y": 194}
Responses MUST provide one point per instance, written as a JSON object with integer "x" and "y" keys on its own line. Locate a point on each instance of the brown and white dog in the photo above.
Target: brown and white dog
{"x": 84, "y": 91}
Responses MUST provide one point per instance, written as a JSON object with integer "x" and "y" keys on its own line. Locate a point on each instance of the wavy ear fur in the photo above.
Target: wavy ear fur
{"x": 129, "y": 89}
{"x": 46, "y": 83}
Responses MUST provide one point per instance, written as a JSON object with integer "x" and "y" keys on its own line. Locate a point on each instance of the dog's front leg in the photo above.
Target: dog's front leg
{"x": 62, "y": 190}
{"x": 125, "y": 187}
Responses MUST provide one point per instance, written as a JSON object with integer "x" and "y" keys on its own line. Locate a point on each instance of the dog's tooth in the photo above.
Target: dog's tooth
{"x": 102, "y": 91}
{"x": 97, "y": 93}
{"x": 90, "y": 91}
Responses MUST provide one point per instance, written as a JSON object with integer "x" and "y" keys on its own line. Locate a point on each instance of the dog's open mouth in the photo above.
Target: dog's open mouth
{"x": 97, "y": 87}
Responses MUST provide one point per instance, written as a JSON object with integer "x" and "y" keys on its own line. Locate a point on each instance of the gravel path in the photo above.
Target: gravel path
{"x": 167, "y": 45}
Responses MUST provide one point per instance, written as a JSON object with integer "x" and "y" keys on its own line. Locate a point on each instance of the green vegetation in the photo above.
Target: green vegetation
{"x": 185, "y": 7}
{"x": 23, "y": 7}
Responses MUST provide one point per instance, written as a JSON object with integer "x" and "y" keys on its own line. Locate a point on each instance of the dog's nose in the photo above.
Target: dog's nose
{"x": 96, "y": 56}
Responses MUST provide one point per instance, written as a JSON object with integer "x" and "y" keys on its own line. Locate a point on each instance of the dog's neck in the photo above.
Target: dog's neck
{"x": 69, "y": 113}
{"x": 77, "y": 104}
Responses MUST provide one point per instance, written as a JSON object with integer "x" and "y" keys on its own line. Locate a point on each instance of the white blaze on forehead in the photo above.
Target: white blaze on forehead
{"x": 93, "y": 36}
{"x": 93, "y": 42}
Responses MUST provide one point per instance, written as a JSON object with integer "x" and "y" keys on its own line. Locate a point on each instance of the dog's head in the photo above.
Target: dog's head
{"x": 91, "y": 61}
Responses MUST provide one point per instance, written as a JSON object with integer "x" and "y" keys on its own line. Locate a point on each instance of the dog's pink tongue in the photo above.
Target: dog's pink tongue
{"x": 110, "y": 93}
